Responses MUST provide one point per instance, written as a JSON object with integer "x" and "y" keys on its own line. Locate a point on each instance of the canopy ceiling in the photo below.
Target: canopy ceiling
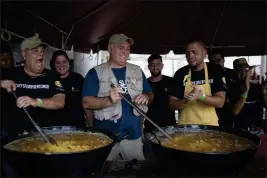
{"x": 235, "y": 28}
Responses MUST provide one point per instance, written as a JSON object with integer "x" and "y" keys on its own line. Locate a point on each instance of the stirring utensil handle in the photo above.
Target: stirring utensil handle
{"x": 33, "y": 122}
{"x": 143, "y": 114}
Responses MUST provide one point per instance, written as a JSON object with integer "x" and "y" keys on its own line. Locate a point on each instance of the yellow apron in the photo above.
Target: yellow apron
{"x": 196, "y": 112}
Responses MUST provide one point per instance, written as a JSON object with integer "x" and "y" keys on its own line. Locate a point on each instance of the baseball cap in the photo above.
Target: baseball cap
{"x": 119, "y": 39}
{"x": 32, "y": 42}
{"x": 240, "y": 63}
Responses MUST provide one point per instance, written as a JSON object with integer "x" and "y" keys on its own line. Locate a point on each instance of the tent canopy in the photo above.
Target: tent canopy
{"x": 234, "y": 28}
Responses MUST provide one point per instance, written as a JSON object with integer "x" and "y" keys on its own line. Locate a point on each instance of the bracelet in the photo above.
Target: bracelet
{"x": 244, "y": 95}
{"x": 202, "y": 97}
{"x": 39, "y": 102}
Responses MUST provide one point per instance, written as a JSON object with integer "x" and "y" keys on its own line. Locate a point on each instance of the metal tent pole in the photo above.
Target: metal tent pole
{"x": 41, "y": 18}
{"x": 14, "y": 34}
{"x": 218, "y": 25}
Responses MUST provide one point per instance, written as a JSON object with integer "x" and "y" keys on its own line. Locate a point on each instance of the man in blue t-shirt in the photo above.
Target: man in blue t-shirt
{"x": 111, "y": 113}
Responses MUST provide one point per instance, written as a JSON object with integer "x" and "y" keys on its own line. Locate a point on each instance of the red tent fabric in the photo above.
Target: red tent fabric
{"x": 233, "y": 27}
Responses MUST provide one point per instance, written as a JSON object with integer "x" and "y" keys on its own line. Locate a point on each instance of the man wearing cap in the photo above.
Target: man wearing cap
{"x": 111, "y": 112}
{"x": 38, "y": 89}
{"x": 247, "y": 100}
{"x": 197, "y": 88}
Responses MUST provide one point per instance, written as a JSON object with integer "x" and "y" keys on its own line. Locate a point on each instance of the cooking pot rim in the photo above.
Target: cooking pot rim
{"x": 63, "y": 128}
{"x": 205, "y": 128}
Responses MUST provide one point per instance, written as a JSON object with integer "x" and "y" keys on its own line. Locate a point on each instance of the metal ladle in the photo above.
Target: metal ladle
{"x": 47, "y": 138}
{"x": 144, "y": 115}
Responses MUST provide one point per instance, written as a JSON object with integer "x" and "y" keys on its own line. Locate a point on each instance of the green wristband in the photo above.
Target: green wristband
{"x": 244, "y": 95}
{"x": 202, "y": 97}
{"x": 39, "y": 102}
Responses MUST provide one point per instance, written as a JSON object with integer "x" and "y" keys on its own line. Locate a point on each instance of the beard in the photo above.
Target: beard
{"x": 155, "y": 74}
{"x": 193, "y": 66}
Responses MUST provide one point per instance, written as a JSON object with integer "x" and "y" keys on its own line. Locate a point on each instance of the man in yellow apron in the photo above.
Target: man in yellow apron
{"x": 198, "y": 88}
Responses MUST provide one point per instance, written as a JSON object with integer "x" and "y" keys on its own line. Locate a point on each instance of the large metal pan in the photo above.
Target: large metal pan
{"x": 78, "y": 164}
{"x": 173, "y": 162}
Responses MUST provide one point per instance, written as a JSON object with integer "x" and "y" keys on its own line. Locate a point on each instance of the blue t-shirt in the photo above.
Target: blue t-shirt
{"x": 128, "y": 123}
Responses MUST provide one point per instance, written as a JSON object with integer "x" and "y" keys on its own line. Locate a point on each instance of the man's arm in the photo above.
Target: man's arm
{"x": 147, "y": 90}
{"x": 218, "y": 89}
{"x": 147, "y": 96}
{"x": 217, "y": 100}
{"x": 150, "y": 96}
{"x": 56, "y": 102}
{"x": 89, "y": 93}
{"x": 175, "y": 103}
{"x": 93, "y": 102}
{"x": 237, "y": 106}
{"x": 89, "y": 116}
{"x": 9, "y": 85}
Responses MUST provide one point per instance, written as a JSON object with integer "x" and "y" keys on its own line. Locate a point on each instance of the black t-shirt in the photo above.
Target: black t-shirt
{"x": 158, "y": 111}
{"x": 229, "y": 75}
{"x": 14, "y": 119}
{"x": 72, "y": 114}
{"x": 216, "y": 74}
{"x": 225, "y": 113}
{"x": 252, "y": 112}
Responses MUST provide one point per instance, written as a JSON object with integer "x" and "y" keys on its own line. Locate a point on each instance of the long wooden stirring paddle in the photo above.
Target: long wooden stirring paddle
{"x": 144, "y": 115}
{"x": 48, "y": 139}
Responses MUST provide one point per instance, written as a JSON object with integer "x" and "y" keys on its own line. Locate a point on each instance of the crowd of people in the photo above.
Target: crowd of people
{"x": 203, "y": 93}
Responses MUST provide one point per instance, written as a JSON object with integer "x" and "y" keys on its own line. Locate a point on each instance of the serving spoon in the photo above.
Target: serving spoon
{"x": 47, "y": 138}
{"x": 144, "y": 115}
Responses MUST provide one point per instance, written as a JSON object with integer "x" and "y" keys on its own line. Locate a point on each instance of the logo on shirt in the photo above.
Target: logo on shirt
{"x": 250, "y": 102}
{"x": 58, "y": 84}
{"x": 201, "y": 82}
{"x": 74, "y": 89}
{"x": 27, "y": 86}
{"x": 123, "y": 86}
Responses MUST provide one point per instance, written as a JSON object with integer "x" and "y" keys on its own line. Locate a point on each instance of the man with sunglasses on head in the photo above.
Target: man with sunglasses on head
{"x": 247, "y": 102}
